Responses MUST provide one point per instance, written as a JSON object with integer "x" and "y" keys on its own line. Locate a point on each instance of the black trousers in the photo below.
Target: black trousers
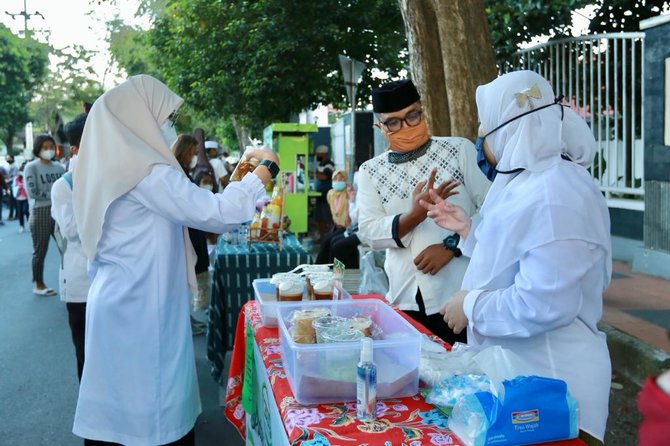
{"x": 76, "y": 316}
{"x": 336, "y": 246}
{"x": 435, "y": 323}
{"x": 12, "y": 204}
{"x": 186, "y": 440}
{"x": 22, "y": 211}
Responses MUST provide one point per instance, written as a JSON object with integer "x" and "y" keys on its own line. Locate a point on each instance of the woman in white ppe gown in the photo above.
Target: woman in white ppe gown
{"x": 541, "y": 252}
{"x": 132, "y": 203}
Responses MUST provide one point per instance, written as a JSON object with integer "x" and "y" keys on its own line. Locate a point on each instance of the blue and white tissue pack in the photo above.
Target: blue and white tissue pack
{"x": 527, "y": 410}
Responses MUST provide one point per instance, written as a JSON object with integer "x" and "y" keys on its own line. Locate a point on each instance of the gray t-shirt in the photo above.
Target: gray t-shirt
{"x": 39, "y": 178}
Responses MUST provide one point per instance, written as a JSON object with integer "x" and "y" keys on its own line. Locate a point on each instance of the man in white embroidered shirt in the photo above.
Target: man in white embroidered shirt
{"x": 423, "y": 261}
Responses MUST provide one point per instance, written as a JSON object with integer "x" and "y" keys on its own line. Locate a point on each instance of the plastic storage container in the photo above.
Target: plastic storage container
{"x": 266, "y": 295}
{"x": 326, "y": 373}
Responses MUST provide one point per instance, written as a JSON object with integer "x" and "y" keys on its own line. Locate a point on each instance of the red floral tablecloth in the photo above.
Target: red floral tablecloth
{"x": 406, "y": 421}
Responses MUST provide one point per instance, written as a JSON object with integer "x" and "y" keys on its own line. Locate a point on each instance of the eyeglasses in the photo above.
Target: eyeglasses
{"x": 173, "y": 117}
{"x": 412, "y": 119}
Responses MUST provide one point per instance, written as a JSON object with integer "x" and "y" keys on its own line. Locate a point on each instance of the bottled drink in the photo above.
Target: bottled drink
{"x": 243, "y": 168}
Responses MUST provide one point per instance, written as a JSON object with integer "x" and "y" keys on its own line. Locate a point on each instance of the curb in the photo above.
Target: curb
{"x": 633, "y": 358}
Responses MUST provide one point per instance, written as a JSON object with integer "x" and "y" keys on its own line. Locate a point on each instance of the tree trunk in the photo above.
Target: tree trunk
{"x": 450, "y": 54}
{"x": 425, "y": 56}
{"x": 9, "y": 141}
{"x": 467, "y": 56}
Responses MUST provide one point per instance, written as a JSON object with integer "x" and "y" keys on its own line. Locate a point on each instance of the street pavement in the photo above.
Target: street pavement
{"x": 38, "y": 376}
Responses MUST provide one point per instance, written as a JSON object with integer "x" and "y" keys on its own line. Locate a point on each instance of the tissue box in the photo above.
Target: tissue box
{"x": 530, "y": 409}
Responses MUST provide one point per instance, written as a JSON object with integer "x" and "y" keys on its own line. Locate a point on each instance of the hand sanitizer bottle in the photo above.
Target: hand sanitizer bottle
{"x": 366, "y": 383}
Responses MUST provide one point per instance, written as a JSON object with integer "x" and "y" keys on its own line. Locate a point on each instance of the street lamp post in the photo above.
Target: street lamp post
{"x": 26, "y": 16}
{"x": 351, "y": 71}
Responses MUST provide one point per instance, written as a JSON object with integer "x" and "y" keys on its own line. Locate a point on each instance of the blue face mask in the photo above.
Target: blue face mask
{"x": 339, "y": 185}
{"x": 487, "y": 169}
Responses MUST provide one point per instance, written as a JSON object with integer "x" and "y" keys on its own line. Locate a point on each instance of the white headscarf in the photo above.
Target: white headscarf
{"x": 552, "y": 199}
{"x": 536, "y": 141}
{"x": 122, "y": 141}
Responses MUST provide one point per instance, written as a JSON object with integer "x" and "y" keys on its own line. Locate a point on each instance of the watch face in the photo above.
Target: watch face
{"x": 451, "y": 242}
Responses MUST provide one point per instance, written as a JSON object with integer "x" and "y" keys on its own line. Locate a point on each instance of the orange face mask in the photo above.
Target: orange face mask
{"x": 408, "y": 138}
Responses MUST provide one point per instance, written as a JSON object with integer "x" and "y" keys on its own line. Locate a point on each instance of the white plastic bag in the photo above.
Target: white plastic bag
{"x": 373, "y": 278}
{"x": 436, "y": 366}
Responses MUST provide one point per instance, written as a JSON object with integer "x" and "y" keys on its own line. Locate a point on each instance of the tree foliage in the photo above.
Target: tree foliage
{"x": 624, "y": 15}
{"x": 23, "y": 65}
{"x": 513, "y": 22}
{"x": 261, "y": 61}
{"x": 60, "y": 96}
{"x": 130, "y": 48}
{"x": 254, "y": 62}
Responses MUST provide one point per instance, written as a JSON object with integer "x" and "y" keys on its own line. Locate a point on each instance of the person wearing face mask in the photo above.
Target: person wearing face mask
{"x": 422, "y": 263}
{"x": 39, "y": 176}
{"x": 541, "y": 252}
{"x": 217, "y": 164}
{"x": 133, "y": 205}
{"x": 78, "y": 121}
{"x": 73, "y": 274}
{"x": 338, "y": 202}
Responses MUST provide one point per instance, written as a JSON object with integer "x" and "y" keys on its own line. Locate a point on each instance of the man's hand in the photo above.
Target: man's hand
{"x": 453, "y": 312}
{"x": 432, "y": 259}
{"x": 422, "y": 193}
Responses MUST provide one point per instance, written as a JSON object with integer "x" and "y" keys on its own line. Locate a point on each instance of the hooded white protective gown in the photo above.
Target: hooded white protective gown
{"x": 132, "y": 202}
{"x": 541, "y": 255}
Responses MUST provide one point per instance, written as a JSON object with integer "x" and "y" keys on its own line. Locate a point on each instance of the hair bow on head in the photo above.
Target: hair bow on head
{"x": 526, "y": 96}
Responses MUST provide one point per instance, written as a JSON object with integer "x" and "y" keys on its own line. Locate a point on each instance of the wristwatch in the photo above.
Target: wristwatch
{"x": 272, "y": 167}
{"x": 451, "y": 244}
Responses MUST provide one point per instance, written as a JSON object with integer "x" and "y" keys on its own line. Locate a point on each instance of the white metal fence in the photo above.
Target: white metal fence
{"x": 602, "y": 78}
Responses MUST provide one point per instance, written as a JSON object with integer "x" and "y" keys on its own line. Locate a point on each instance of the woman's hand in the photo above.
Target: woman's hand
{"x": 453, "y": 312}
{"x": 261, "y": 154}
{"x": 262, "y": 172}
{"x": 446, "y": 215}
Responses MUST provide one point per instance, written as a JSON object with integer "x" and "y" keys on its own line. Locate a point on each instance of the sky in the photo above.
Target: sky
{"x": 68, "y": 22}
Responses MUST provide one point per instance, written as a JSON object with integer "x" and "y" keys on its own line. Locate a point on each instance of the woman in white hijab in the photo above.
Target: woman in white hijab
{"x": 540, "y": 255}
{"x": 132, "y": 203}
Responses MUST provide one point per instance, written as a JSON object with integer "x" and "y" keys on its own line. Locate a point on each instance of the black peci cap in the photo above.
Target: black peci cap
{"x": 394, "y": 96}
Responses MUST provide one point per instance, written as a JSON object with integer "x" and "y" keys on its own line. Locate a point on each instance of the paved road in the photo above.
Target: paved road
{"x": 38, "y": 377}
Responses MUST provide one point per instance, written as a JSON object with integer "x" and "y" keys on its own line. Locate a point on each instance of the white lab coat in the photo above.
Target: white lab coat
{"x": 385, "y": 191}
{"x": 540, "y": 263}
{"x": 73, "y": 275}
{"x": 139, "y": 385}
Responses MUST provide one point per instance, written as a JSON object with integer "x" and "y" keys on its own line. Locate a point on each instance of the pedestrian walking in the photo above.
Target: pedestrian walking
{"x": 21, "y": 195}
{"x": 40, "y": 175}
{"x": 12, "y": 171}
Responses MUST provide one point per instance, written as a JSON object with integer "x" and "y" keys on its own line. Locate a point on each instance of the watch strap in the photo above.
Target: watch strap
{"x": 271, "y": 166}
{"x": 451, "y": 244}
